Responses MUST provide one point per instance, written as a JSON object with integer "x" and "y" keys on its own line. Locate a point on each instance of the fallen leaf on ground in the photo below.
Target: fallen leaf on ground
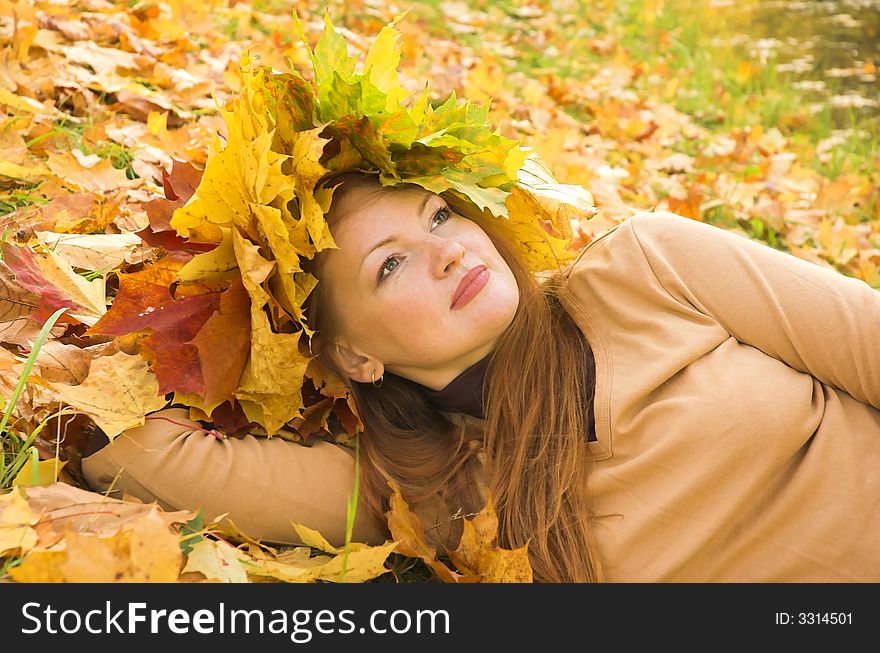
{"x": 409, "y": 533}
{"x": 47, "y": 473}
{"x": 217, "y": 561}
{"x": 16, "y": 521}
{"x": 144, "y": 550}
{"x": 477, "y": 552}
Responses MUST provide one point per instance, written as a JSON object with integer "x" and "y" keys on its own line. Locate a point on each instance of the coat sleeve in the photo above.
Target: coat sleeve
{"x": 262, "y": 485}
{"x": 813, "y": 319}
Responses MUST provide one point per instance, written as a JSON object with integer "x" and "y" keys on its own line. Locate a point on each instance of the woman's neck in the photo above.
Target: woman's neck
{"x": 438, "y": 378}
{"x": 464, "y": 394}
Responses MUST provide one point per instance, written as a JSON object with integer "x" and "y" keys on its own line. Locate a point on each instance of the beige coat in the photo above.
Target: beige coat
{"x": 737, "y": 413}
{"x": 737, "y": 408}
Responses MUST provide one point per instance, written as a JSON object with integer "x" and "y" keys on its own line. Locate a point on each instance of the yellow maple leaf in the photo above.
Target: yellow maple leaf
{"x": 92, "y": 251}
{"x": 357, "y": 565}
{"x": 538, "y": 196}
{"x": 217, "y": 561}
{"x": 90, "y": 295}
{"x": 92, "y": 558}
{"x": 16, "y": 521}
{"x": 409, "y": 533}
{"x": 214, "y": 265}
{"x": 118, "y": 392}
{"x": 478, "y": 553}
{"x": 314, "y": 539}
{"x": 381, "y": 63}
{"x": 248, "y": 186}
{"x": 270, "y": 387}
{"x": 154, "y": 550}
{"x": 361, "y": 563}
{"x": 23, "y": 104}
{"x": 241, "y": 175}
{"x": 199, "y": 409}
{"x": 23, "y": 173}
{"x": 305, "y": 151}
{"x": 47, "y": 472}
{"x": 40, "y": 566}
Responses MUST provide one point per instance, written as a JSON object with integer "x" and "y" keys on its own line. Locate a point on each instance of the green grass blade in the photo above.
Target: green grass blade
{"x": 35, "y": 466}
{"x": 19, "y": 388}
{"x": 352, "y": 503}
{"x": 18, "y": 462}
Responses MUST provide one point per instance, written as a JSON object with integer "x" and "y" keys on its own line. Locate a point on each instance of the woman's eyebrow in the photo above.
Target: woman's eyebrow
{"x": 393, "y": 237}
{"x": 384, "y": 241}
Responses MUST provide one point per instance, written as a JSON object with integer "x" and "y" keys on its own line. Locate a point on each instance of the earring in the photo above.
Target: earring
{"x": 373, "y": 378}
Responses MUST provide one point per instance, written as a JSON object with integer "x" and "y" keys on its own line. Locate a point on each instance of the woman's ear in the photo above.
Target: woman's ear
{"x": 355, "y": 365}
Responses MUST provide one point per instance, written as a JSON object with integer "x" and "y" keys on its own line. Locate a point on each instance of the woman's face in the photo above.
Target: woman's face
{"x": 416, "y": 289}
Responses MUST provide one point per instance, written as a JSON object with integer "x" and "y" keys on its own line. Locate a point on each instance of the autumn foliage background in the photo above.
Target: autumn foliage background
{"x": 107, "y": 114}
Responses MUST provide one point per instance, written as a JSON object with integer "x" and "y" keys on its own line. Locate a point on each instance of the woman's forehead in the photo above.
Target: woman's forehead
{"x": 374, "y": 202}
{"x": 366, "y": 215}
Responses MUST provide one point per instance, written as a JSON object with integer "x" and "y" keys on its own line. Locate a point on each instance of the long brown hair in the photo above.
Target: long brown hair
{"x": 538, "y": 411}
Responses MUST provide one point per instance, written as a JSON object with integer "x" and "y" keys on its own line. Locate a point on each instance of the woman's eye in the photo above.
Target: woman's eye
{"x": 387, "y": 267}
{"x": 391, "y": 263}
{"x": 441, "y": 216}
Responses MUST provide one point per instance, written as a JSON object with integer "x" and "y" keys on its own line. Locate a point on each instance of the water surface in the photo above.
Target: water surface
{"x": 827, "y": 50}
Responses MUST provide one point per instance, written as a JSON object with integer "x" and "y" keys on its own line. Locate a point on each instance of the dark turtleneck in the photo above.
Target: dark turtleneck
{"x": 464, "y": 394}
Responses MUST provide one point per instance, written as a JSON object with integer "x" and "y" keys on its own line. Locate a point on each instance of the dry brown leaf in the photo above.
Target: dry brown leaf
{"x": 67, "y": 507}
{"x": 79, "y": 213}
{"x": 87, "y": 172}
{"x": 103, "y": 60}
{"x": 16, "y": 303}
{"x": 91, "y": 251}
{"x": 146, "y": 550}
{"x": 69, "y": 364}
{"x": 86, "y": 537}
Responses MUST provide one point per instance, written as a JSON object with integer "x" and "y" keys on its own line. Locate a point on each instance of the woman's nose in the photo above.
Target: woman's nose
{"x": 445, "y": 253}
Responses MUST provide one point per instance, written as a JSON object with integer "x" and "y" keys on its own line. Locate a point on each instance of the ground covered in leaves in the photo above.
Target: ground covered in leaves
{"x": 100, "y": 100}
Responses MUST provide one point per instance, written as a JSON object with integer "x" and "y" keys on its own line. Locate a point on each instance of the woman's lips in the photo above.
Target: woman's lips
{"x": 471, "y": 283}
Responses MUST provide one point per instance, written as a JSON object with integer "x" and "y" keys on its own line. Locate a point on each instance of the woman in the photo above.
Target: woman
{"x": 678, "y": 404}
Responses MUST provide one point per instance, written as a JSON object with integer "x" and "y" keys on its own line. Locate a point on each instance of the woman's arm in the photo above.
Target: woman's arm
{"x": 263, "y": 485}
{"x": 811, "y": 318}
